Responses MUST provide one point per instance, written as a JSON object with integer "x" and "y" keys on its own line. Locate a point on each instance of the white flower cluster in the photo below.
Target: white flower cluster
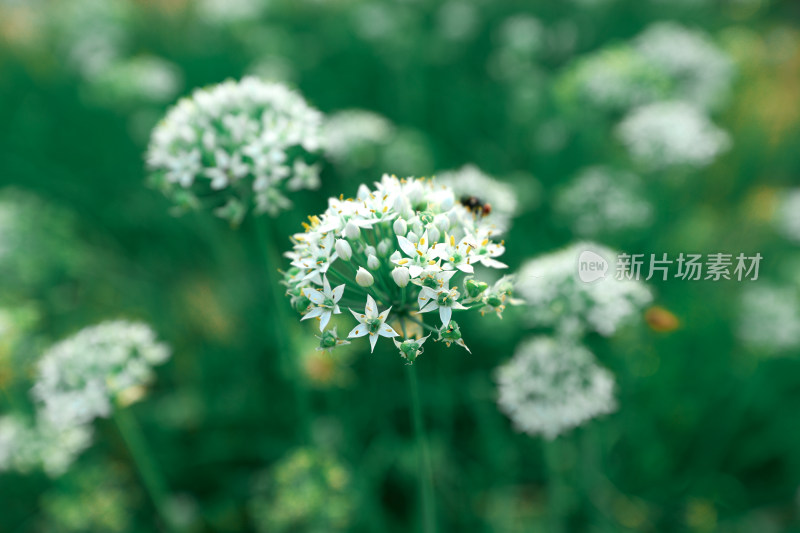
{"x": 24, "y": 446}
{"x": 613, "y": 79}
{"x": 666, "y": 61}
{"x": 552, "y": 385}
{"x": 391, "y": 255}
{"x": 702, "y": 73}
{"x": 229, "y": 145}
{"x": 351, "y": 135}
{"x": 558, "y": 298}
{"x": 79, "y": 377}
{"x": 769, "y": 318}
{"x": 222, "y": 12}
{"x": 787, "y": 216}
{"x": 673, "y": 133}
{"x": 603, "y": 200}
{"x": 477, "y": 190}
{"x": 78, "y": 380}
{"x": 140, "y": 79}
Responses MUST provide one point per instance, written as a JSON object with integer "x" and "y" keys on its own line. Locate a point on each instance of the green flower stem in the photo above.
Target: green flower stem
{"x": 423, "y": 324}
{"x": 148, "y": 470}
{"x": 425, "y": 467}
{"x": 287, "y": 351}
{"x": 555, "y": 486}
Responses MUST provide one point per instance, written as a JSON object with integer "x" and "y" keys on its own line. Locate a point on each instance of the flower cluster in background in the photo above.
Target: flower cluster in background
{"x": 303, "y": 490}
{"x": 552, "y": 385}
{"x": 79, "y": 379}
{"x": 231, "y": 147}
{"x": 603, "y": 201}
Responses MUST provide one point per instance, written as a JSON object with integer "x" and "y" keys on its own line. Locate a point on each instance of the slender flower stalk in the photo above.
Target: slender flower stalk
{"x": 426, "y": 492}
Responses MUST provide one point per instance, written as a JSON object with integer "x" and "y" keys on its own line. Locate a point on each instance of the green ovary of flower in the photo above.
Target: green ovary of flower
{"x": 475, "y": 288}
{"x": 374, "y": 325}
{"x": 328, "y": 340}
{"x": 443, "y": 299}
{"x": 451, "y": 332}
{"x": 494, "y": 301}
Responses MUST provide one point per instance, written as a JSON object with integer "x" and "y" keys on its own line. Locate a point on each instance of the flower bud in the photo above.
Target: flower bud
{"x": 400, "y": 226}
{"x": 433, "y": 234}
{"x": 343, "y": 249}
{"x": 383, "y": 247}
{"x": 373, "y": 263}
{"x": 413, "y": 237}
{"x": 417, "y": 228}
{"x": 364, "y": 278}
{"x": 401, "y": 276}
{"x": 442, "y": 222}
{"x": 301, "y": 303}
{"x": 351, "y": 231}
{"x": 426, "y": 217}
{"x": 370, "y": 250}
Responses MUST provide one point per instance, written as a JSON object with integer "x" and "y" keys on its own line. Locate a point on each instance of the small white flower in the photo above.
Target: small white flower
{"x": 486, "y": 251}
{"x": 444, "y": 299}
{"x": 420, "y": 255}
{"x": 372, "y": 323}
{"x": 456, "y": 254}
{"x": 325, "y": 302}
{"x": 364, "y": 278}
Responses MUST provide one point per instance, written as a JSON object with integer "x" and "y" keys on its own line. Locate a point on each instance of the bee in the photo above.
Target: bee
{"x": 476, "y": 206}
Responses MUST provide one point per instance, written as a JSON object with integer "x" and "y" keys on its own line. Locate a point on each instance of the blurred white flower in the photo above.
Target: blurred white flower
{"x": 702, "y": 72}
{"x": 603, "y": 200}
{"x": 558, "y": 298}
{"x": 674, "y": 133}
{"x": 231, "y": 142}
{"x": 353, "y": 135}
{"x": 141, "y": 79}
{"x": 26, "y": 446}
{"x": 769, "y": 318}
{"x": 79, "y": 378}
{"x": 787, "y": 216}
{"x": 552, "y": 385}
{"x": 613, "y": 79}
{"x": 220, "y": 12}
{"x": 302, "y": 490}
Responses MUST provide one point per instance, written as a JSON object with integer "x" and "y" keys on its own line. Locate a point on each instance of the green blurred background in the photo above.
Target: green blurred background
{"x": 706, "y": 436}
